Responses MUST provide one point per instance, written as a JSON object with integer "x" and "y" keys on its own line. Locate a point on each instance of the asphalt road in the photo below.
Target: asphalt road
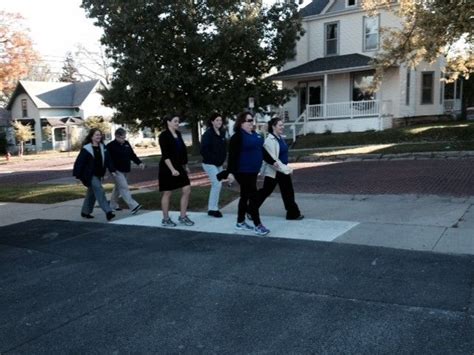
{"x": 70, "y": 287}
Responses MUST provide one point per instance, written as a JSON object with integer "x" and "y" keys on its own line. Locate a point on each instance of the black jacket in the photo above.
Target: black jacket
{"x": 84, "y": 164}
{"x": 213, "y": 147}
{"x": 121, "y": 155}
{"x": 169, "y": 151}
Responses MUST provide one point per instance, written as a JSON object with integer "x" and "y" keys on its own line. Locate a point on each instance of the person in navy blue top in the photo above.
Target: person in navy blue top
{"x": 244, "y": 163}
{"x": 173, "y": 171}
{"x": 276, "y": 170}
{"x": 214, "y": 154}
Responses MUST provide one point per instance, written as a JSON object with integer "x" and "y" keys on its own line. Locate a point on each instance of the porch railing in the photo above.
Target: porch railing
{"x": 349, "y": 109}
{"x": 452, "y": 105}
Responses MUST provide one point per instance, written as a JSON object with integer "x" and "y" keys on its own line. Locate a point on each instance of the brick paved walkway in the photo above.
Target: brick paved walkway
{"x": 446, "y": 177}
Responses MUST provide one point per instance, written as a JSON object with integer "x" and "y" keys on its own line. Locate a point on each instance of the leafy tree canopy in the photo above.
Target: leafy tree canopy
{"x": 193, "y": 56}
{"x": 430, "y": 28}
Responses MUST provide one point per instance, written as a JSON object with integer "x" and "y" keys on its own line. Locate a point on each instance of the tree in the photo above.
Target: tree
{"x": 193, "y": 56}
{"x": 23, "y": 133}
{"x": 16, "y": 53}
{"x": 430, "y": 29}
{"x": 93, "y": 64}
{"x": 97, "y": 122}
{"x": 70, "y": 72}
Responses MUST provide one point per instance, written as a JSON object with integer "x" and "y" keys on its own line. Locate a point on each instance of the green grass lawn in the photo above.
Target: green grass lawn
{"x": 452, "y": 131}
{"x": 49, "y": 194}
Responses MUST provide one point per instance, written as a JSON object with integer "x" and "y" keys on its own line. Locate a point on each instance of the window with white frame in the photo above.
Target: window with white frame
{"x": 427, "y": 86}
{"x": 371, "y": 33}
{"x": 331, "y": 36}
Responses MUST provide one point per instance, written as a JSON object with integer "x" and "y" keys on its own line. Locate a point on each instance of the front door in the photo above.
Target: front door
{"x": 314, "y": 93}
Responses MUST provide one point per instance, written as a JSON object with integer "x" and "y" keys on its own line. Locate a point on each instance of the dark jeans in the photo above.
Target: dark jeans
{"x": 287, "y": 193}
{"x": 248, "y": 197}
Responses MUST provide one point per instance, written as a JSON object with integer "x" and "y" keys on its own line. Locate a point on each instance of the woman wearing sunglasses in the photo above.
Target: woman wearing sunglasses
{"x": 244, "y": 163}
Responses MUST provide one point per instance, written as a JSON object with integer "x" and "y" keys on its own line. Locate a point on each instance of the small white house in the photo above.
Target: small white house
{"x": 332, "y": 73}
{"x": 60, "y": 107}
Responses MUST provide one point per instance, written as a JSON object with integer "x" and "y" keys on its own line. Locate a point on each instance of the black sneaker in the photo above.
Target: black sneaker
{"x": 135, "y": 210}
{"x": 216, "y": 214}
{"x": 109, "y": 216}
{"x": 86, "y": 215}
{"x": 117, "y": 209}
{"x": 297, "y": 218}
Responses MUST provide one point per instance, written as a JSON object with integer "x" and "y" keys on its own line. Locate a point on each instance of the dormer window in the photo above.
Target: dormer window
{"x": 351, "y": 3}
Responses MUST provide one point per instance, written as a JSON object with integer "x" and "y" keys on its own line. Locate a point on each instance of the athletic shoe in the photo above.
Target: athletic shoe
{"x": 216, "y": 214}
{"x": 167, "y": 223}
{"x": 87, "y": 215}
{"x": 109, "y": 216}
{"x": 186, "y": 221}
{"x": 135, "y": 210}
{"x": 243, "y": 226}
{"x": 297, "y": 218}
{"x": 261, "y": 230}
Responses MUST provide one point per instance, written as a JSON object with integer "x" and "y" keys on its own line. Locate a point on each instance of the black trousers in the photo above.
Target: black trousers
{"x": 287, "y": 193}
{"x": 248, "y": 201}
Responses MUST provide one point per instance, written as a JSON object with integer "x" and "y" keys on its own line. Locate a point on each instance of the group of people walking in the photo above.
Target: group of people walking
{"x": 247, "y": 155}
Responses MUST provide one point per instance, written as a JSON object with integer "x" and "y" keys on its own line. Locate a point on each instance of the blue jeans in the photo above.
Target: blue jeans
{"x": 95, "y": 192}
{"x": 216, "y": 185}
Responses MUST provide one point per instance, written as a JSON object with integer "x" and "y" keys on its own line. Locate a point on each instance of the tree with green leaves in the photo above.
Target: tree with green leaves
{"x": 193, "y": 57}
{"x": 97, "y": 122}
{"x": 23, "y": 133}
{"x": 69, "y": 70}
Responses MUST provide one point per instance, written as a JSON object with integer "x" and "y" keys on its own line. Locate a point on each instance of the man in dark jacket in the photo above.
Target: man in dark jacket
{"x": 121, "y": 153}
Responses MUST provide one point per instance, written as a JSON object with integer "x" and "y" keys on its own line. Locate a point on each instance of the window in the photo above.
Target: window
{"x": 331, "y": 35}
{"x": 362, "y": 86}
{"x": 427, "y": 83}
{"x": 24, "y": 108}
{"x": 407, "y": 93}
{"x": 350, "y": 3}
{"x": 371, "y": 33}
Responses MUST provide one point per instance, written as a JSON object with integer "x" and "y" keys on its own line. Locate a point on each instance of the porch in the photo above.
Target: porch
{"x": 355, "y": 116}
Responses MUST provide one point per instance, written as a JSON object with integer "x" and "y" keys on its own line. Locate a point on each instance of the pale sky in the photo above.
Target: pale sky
{"x": 56, "y": 26}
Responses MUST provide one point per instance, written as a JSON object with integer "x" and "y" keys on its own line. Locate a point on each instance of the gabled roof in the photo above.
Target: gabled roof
{"x": 54, "y": 94}
{"x": 314, "y": 8}
{"x": 326, "y": 64}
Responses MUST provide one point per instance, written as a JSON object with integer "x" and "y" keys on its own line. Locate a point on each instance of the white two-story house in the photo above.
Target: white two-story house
{"x": 332, "y": 74}
{"x": 56, "y": 111}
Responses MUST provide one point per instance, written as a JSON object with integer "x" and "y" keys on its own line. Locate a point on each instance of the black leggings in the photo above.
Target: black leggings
{"x": 287, "y": 193}
{"x": 248, "y": 197}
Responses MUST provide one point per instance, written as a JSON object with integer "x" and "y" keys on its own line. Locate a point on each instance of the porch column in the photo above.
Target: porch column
{"x": 325, "y": 94}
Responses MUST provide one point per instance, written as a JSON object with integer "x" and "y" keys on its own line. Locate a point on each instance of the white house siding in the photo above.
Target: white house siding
{"x": 390, "y": 90}
{"x": 292, "y": 105}
{"x": 58, "y": 112}
{"x": 92, "y": 106}
{"x": 428, "y": 109}
{"x": 339, "y": 88}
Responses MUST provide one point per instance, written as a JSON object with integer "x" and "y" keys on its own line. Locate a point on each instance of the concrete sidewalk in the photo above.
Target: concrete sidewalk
{"x": 425, "y": 223}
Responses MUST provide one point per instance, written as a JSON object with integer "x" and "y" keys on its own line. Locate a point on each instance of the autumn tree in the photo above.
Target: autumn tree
{"x": 193, "y": 57}
{"x": 429, "y": 29}
{"x": 69, "y": 70}
{"x": 23, "y": 133}
{"x": 16, "y": 52}
{"x": 99, "y": 123}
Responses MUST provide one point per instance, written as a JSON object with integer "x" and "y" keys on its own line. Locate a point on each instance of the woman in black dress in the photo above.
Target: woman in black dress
{"x": 173, "y": 171}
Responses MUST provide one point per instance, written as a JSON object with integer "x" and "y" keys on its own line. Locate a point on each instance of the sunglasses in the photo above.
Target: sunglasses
{"x": 249, "y": 120}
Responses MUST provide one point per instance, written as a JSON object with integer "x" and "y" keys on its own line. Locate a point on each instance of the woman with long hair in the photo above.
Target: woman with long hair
{"x": 244, "y": 163}
{"x": 276, "y": 170}
{"x": 90, "y": 167}
{"x": 173, "y": 171}
{"x": 214, "y": 153}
